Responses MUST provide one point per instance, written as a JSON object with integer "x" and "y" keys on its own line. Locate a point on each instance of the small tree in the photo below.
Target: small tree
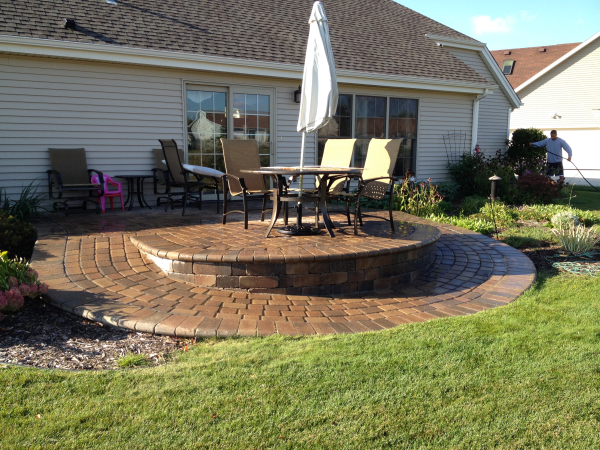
{"x": 522, "y": 157}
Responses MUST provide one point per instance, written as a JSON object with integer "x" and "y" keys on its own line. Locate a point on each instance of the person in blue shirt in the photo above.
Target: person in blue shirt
{"x": 554, "y": 146}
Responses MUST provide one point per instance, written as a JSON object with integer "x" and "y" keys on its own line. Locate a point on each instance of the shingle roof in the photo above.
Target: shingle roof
{"x": 530, "y": 61}
{"x": 377, "y": 36}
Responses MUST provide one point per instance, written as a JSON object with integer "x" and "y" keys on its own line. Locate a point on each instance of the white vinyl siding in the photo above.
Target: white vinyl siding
{"x": 493, "y": 109}
{"x": 571, "y": 90}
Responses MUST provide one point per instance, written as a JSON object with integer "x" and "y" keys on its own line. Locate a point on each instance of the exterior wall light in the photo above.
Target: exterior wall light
{"x": 298, "y": 94}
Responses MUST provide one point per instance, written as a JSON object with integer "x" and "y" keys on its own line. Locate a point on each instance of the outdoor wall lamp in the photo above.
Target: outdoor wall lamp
{"x": 298, "y": 94}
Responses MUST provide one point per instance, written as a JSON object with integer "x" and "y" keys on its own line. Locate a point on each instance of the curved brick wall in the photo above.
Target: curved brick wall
{"x": 316, "y": 265}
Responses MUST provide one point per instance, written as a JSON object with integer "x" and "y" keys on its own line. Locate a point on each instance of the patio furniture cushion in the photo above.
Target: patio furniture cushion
{"x": 203, "y": 171}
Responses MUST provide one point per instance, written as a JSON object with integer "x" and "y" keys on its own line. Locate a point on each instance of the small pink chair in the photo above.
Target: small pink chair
{"x": 107, "y": 193}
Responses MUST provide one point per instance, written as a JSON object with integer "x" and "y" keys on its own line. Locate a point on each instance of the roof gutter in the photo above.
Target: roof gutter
{"x": 488, "y": 60}
{"x": 188, "y": 61}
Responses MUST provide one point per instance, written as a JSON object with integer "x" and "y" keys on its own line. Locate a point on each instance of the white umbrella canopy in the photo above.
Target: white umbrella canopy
{"x": 319, "y": 96}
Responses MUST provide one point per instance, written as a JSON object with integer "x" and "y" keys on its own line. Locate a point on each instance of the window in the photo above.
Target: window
{"x": 251, "y": 120}
{"x": 370, "y": 123}
{"x": 340, "y": 126}
{"x": 507, "y": 66}
{"x": 208, "y": 121}
{"x": 375, "y": 117}
{"x": 206, "y": 125}
{"x": 403, "y": 124}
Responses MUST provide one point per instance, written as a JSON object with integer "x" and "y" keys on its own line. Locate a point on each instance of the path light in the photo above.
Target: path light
{"x": 493, "y": 193}
{"x": 494, "y": 181}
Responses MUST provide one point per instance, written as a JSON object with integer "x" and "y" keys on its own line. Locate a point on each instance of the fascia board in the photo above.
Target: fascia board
{"x": 558, "y": 61}
{"x": 488, "y": 60}
{"x": 159, "y": 58}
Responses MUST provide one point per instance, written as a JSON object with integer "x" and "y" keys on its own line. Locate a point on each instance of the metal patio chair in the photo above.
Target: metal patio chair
{"x": 70, "y": 174}
{"x": 376, "y": 181}
{"x": 243, "y": 154}
{"x": 179, "y": 177}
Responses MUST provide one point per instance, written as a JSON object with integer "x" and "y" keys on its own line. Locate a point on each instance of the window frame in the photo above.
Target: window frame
{"x": 415, "y": 157}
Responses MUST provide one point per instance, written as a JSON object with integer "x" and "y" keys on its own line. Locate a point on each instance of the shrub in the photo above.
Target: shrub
{"x": 448, "y": 190}
{"x": 17, "y": 281}
{"x": 503, "y": 215}
{"x": 537, "y": 188}
{"x": 521, "y": 156}
{"x": 577, "y": 239}
{"x": 473, "y": 171}
{"x": 564, "y": 219}
{"x": 17, "y": 237}
{"x": 472, "y": 205}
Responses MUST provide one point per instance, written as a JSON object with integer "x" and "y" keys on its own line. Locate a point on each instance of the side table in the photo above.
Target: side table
{"x": 138, "y": 189}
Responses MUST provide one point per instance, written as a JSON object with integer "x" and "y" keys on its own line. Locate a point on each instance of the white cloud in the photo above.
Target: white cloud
{"x": 528, "y": 17}
{"x": 485, "y": 24}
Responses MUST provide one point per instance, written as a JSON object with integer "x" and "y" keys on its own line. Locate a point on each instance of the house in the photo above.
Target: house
{"x": 114, "y": 76}
{"x": 559, "y": 86}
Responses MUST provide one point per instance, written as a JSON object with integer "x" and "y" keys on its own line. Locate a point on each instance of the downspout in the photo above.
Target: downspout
{"x": 486, "y": 92}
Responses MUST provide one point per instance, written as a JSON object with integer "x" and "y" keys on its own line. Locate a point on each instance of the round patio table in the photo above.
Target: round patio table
{"x": 279, "y": 175}
{"x": 138, "y": 189}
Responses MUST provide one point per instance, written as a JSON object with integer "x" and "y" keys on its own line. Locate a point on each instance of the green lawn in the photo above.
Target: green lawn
{"x": 526, "y": 375}
{"x": 586, "y": 199}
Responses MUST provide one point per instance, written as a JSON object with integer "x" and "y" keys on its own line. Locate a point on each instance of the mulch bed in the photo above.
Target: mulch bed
{"x": 544, "y": 258}
{"x": 40, "y": 335}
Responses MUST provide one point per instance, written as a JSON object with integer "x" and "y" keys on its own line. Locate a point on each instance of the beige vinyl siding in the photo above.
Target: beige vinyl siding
{"x": 493, "y": 110}
{"x": 439, "y": 113}
{"x": 116, "y": 112}
{"x": 571, "y": 89}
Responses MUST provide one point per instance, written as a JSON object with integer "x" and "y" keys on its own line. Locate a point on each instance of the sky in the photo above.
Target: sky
{"x": 510, "y": 24}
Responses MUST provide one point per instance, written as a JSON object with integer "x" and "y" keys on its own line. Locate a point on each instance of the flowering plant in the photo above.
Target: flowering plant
{"x": 419, "y": 199}
{"x": 17, "y": 281}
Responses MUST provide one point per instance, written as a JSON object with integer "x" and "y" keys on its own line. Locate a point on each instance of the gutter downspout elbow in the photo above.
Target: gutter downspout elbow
{"x": 486, "y": 92}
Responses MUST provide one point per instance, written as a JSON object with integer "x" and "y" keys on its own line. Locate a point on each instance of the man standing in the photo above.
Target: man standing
{"x": 554, "y": 146}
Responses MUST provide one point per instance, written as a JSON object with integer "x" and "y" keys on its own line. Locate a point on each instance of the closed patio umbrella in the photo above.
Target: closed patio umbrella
{"x": 319, "y": 96}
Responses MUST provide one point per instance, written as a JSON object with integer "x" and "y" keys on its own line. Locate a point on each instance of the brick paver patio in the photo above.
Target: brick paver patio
{"x": 95, "y": 270}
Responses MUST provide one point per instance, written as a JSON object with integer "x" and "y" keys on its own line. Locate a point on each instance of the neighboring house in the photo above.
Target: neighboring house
{"x": 120, "y": 76}
{"x": 560, "y": 89}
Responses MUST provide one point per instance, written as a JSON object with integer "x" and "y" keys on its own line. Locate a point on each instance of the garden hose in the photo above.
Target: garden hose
{"x": 578, "y": 267}
{"x": 577, "y": 168}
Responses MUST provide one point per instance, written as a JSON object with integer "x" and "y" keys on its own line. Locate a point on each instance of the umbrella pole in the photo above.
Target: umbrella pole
{"x": 299, "y": 206}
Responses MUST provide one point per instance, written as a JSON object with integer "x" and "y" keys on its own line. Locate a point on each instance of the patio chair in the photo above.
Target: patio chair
{"x": 243, "y": 154}
{"x": 179, "y": 177}
{"x": 161, "y": 176}
{"x": 70, "y": 174}
{"x": 337, "y": 153}
{"x": 377, "y": 179}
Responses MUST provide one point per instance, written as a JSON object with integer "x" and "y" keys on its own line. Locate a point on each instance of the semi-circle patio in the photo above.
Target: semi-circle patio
{"x": 95, "y": 269}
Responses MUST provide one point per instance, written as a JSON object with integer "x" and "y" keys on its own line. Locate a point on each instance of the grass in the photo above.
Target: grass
{"x": 133, "y": 360}
{"x": 526, "y": 375}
